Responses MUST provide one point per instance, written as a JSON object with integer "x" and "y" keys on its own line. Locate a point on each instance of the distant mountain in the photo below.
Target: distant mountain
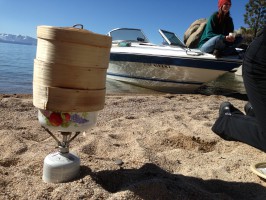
{"x": 17, "y": 39}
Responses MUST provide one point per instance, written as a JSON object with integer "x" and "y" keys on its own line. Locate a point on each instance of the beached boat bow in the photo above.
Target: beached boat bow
{"x": 168, "y": 67}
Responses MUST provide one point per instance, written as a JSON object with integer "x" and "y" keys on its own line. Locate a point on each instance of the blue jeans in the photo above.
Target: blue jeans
{"x": 217, "y": 42}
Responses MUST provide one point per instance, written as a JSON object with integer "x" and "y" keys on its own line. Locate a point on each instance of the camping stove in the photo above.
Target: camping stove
{"x": 63, "y": 166}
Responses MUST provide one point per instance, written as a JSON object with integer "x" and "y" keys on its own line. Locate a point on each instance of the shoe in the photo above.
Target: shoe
{"x": 225, "y": 108}
{"x": 249, "y": 110}
{"x": 217, "y": 53}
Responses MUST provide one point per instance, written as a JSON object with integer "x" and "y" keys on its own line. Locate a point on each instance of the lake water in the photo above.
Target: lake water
{"x": 16, "y": 71}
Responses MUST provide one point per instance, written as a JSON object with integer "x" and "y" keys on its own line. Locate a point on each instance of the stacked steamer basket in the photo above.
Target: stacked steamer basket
{"x": 68, "y": 89}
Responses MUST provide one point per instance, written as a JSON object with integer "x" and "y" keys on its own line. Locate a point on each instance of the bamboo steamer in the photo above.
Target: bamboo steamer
{"x": 70, "y": 69}
{"x": 69, "y": 76}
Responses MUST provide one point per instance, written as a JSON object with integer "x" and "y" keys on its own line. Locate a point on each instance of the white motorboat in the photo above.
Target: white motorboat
{"x": 170, "y": 67}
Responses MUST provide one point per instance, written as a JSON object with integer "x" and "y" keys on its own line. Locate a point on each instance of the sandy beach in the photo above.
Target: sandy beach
{"x": 165, "y": 142}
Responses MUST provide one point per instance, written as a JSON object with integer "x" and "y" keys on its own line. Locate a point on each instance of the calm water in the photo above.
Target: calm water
{"x": 16, "y": 70}
{"x": 16, "y": 67}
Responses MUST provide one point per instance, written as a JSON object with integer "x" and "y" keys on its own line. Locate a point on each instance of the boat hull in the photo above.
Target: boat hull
{"x": 169, "y": 74}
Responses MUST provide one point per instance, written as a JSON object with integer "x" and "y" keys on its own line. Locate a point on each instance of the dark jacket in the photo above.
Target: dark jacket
{"x": 214, "y": 28}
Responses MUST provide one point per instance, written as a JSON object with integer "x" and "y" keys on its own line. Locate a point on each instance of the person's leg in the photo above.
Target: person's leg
{"x": 254, "y": 77}
{"x": 230, "y": 48}
{"x": 238, "y": 41}
{"x": 212, "y": 44}
{"x": 245, "y": 128}
{"x": 234, "y": 125}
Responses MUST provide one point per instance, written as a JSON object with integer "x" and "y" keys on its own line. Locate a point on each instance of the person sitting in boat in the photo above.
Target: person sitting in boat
{"x": 217, "y": 37}
{"x": 232, "y": 124}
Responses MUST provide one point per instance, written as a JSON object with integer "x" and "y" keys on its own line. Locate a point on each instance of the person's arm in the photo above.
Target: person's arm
{"x": 210, "y": 27}
{"x": 230, "y": 29}
{"x": 264, "y": 34}
{"x": 208, "y": 32}
{"x": 263, "y": 31}
{"x": 256, "y": 51}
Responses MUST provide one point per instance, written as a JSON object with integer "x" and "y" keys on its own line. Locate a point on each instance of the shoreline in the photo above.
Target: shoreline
{"x": 221, "y": 86}
{"x": 164, "y": 140}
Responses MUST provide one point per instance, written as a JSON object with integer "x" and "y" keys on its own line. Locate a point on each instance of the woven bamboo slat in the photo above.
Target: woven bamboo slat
{"x": 69, "y": 76}
{"x": 67, "y": 100}
{"x": 72, "y": 54}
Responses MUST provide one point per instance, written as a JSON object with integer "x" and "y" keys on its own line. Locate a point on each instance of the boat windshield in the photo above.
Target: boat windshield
{"x": 171, "y": 38}
{"x": 125, "y": 34}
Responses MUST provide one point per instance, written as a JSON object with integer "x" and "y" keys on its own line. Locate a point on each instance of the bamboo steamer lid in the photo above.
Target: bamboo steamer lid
{"x": 68, "y": 100}
{"x": 74, "y": 35}
{"x": 69, "y": 76}
{"x": 73, "y": 46}
{"x": 70, "y": 69}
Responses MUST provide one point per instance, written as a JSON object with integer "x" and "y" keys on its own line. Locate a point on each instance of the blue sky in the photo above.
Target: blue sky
{"x": 100, "y": 16}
